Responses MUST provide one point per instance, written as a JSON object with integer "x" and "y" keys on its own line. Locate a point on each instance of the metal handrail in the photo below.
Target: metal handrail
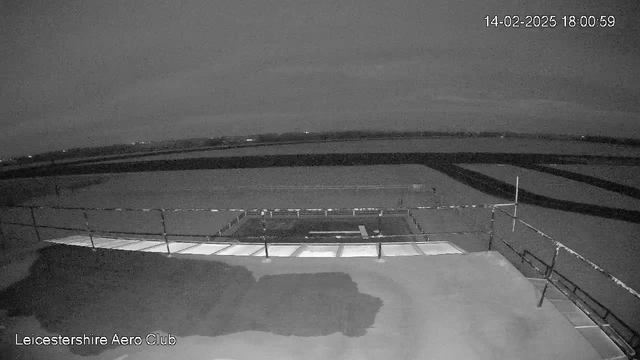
{"x": 548, "y": 272}
{"x": 578, "y": 256}
{"x": 258, "y": 210}
{"x": 574, "y": 288}
{"x": 628, "y": 344}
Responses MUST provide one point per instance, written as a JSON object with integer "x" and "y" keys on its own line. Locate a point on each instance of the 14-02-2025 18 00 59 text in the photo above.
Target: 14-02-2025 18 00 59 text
{"x": 550, "y": 21}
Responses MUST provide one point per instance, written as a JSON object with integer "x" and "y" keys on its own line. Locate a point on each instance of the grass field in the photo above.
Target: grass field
{"x": 558, "y": 187}
{"x": 415, "y": 145}
{"x": 288, "y": 230}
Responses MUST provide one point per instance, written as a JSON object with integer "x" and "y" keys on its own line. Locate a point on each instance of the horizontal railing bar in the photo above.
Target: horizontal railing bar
{"x": 253, "y": 210}
{"x": 592, "y": 312}
{"x": 578, "y": 256}
{"x": 518, "y": 253}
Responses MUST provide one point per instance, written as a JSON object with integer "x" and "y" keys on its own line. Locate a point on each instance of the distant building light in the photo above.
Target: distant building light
{"x": 29, "y": 156}
{"x": 306, "y": 132}
{"x": 250, "y": 140}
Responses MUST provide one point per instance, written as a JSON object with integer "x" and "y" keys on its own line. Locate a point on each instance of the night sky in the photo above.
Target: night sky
{"x": 89, "y": 73}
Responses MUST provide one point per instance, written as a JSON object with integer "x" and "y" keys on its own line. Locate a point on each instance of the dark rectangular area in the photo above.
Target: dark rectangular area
{"x": 298, "y": 230}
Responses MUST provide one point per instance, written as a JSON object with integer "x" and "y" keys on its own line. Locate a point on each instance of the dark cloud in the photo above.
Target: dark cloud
{"x": 91, "y": 73}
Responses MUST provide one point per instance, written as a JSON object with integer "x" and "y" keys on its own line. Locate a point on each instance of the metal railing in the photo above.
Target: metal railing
{"x": 625, "y": 337}
{"x": 629, "y": 342}
{"x": 298, "y": 212}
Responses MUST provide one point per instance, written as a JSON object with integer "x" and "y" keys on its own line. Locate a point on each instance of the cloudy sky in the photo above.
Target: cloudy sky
{"x": 89, "y": 73}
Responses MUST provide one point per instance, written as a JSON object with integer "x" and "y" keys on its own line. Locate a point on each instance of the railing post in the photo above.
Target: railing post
{"x": 86, "y": 223}
{"x": 515, "y": 207}
{"x": 493, "y": 217}
{"x": 380, "y": 259}
{"x": 164, "y": 232}
{"x": 548, "y": 275}
{"x": 35, "y": 225}
{"x": 264, "y": 240}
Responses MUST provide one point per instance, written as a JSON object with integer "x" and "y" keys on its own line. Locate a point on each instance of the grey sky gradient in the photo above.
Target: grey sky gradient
{"x": 89, "y": 73}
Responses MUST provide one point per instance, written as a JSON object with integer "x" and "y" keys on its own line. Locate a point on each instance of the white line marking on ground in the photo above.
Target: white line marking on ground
{"x": 363, "y": 231}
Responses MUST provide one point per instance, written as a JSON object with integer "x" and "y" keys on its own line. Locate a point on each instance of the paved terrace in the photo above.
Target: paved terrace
{"x": 258, "y": 250}
{"x": 458, "y": 306}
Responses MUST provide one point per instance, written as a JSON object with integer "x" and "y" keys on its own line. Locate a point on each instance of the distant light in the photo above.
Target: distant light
{"x": 29, "y": 156}
{"x": 306, "y": 132}
{"x": 64, "y": 150}
{"x": 250, "y": 139}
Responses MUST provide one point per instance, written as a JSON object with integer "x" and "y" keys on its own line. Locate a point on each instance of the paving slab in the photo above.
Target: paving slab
{"x": 279, "y": 250}
{"x": 204, "y": 249}
{"x": 139, "y": 245}
{"x": 438, "y": 248}
{"x": 319, "y": 251}
{"x": 369, "y": 250}
{"x": 241, "y": 250}
{"x": 399, "y": 250}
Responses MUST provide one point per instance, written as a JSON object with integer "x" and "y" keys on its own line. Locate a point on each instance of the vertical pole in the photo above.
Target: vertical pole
{"x": 86, "y": 223}
{"x": 264, "y": 239}
{"x": 493, "y": 216}
{"x": 548, "y": 275}
{"x": 515, "y": 208}
{"x": 35, "y": 225}
{"x": 164, "y": 232}
{"x": 380, "y": 259}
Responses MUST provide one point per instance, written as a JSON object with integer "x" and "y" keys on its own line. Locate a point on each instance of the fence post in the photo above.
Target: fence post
{"x": 548, "y": 275}
{"x": 264, "y": 240}
{"x": 86, "y": 223}
{"x": 164, "y": 232}
{"x": 493, "y": 216}
{"x": 380, "y": 259}
{"x": 35, "y": 226}
{"x": 515, "y": 207}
